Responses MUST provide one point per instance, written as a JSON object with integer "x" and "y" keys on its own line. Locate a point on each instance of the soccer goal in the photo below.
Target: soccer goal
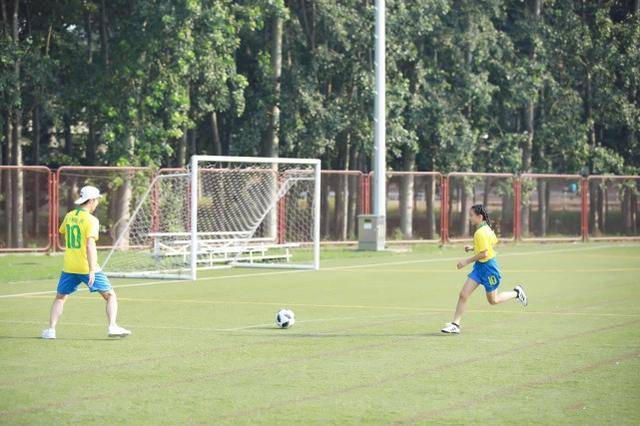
{"x": 222, "y": 212}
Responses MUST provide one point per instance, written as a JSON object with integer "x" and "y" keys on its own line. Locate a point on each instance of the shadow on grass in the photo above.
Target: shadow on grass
{"x": 288, "y": 334}
{"x": 60, "y": 338}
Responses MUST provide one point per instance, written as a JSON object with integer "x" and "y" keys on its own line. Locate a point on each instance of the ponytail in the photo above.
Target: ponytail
{"x": 481, "y": 211}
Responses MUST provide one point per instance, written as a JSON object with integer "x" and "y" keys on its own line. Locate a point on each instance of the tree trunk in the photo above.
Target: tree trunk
{"x": 181, "y": 154}
{"x": 594, "y": 220}
{"x": 325, "y": 222}
{"x": 634, "y": 213}
{"x": 90, "y": 152}
{"x": 429, "y": 191}
{"x": 506, "y": 211}
{"x": 605, "y": 207}
{"x": 2, "y": 179}
{"x": 589, "y": 113}
{"x": 18, "y": 193}
{"x": 406, "y": 194}
{"x": 464, "y": 208}
{"x": 542, "y": 207}
{"x": 341, "y": 190}
{"x": 627, "y": 224}
{"x": 354, "y": 193}
{"x": 193, "y": 141}
{"x": 270, "y": 144}
{"x": 68, "y": 137}
{"x": 36, "y": 159}
{"x": 530, "y": 124}
{"x": 104, "y": 37}
{"x": 89, "y": 33}
{"x": 342, "y": 196}
{"x": 8, "y": 181}
{"x": 450, "y": 207}
{"x": 600, "y": 207}
{"x": 216, "y": 145}
{"x": 123, "y": 202}
{"x": 485, "y": 192}
{"x": 271, "y": 141}
{"x": 123, "y": 197}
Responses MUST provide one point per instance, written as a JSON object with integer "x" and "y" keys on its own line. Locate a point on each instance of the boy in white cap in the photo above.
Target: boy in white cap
{"x": 80, "y": 229}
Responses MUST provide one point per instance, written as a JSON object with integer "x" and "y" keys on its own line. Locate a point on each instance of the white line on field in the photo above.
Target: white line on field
{"x": 423, "y": 310}
{"x": 243, "y": 328}
{"x": 332, "y": 268}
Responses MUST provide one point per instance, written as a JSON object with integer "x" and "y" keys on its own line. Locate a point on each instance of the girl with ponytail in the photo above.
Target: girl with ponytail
{"x": 486, "y": 271}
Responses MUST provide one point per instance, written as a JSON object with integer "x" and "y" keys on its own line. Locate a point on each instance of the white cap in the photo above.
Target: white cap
{"x": 88, "y": 193}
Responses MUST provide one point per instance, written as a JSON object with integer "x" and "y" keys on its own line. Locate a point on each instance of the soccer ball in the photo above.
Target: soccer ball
{"x": 285, "y": 318}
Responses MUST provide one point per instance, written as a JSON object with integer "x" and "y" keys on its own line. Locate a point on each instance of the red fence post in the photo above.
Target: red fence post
{"x": 56, "y": 235}
{"x": 363, "y": 194}
{"x": 52, "y": 188}
{"x": 368, "y": 198}
{"x": 56, "y": 210}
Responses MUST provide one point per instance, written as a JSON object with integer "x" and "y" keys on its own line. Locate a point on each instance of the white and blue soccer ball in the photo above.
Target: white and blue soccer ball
{"x": 285, "y": 318}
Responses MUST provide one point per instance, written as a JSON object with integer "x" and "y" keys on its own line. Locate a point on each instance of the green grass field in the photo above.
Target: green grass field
{"x": 366, "y": 347}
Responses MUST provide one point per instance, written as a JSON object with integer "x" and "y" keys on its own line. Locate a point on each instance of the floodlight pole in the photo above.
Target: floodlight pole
{"x": 379, "y": 164}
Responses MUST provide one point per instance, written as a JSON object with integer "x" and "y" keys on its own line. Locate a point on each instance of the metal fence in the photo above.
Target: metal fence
{"x": 551, "y": 207}
{"x": 613, "y": 206}
{"x": 414, "y": 206}
{"x": 342, "y": 200}
{"x": 25, "y": 208}
{"x": 496, "y": 191}
{"x": 421, "y": 206}
{"x": 122, "y": 187}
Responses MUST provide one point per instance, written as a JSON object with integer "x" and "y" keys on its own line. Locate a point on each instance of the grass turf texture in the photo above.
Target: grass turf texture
{"x": 366, "y": 347}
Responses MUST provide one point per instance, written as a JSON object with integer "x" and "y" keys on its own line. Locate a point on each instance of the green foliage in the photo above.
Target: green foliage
{"x": 460, "y": 74}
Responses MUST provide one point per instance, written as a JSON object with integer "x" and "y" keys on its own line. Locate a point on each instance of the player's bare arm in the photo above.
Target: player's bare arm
{"x": 469, "y": 260}
{"x": 92, "y": 258}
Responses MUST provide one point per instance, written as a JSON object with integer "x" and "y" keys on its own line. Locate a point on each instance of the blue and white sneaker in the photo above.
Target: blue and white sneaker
{"x": 522, "y": 296}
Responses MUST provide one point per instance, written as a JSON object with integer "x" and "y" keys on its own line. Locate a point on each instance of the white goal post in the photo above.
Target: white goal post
{"x": 222, "y": 212}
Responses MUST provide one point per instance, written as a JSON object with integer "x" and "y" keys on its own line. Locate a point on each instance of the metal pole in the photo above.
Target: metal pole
{"x": 316, "y": 217}
{"x": 379, "y": 166}
{"x": 194, "y": 217}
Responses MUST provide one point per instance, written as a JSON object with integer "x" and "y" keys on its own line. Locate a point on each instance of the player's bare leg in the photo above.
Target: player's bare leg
{"x": 56, "y": 311}
{"x": 517, "y": 293}
{"x": 112, "y": 306}
{"x": 467, "y": 289}
{"x": 494, "y": 297}
{"x": 112, "y": 314}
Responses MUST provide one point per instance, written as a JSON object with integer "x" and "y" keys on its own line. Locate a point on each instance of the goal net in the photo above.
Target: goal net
{"x": 222, "y": 212}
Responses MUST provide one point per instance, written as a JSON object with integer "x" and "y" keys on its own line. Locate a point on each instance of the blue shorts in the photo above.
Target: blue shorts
{"x": 486, "y": 274}
{"x": 69, "y": 283}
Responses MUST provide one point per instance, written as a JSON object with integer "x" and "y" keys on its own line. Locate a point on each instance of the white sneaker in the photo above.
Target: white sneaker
{"x": 117, "y": 331}
{"x": 522, "y": 296}
{"x": 451, "y": 328}
{"x": 49, "y": 333}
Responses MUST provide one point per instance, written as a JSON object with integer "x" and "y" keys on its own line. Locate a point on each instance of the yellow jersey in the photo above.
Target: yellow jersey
{"x": 77, "y": 227}
{"x": 484, "y": 239}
